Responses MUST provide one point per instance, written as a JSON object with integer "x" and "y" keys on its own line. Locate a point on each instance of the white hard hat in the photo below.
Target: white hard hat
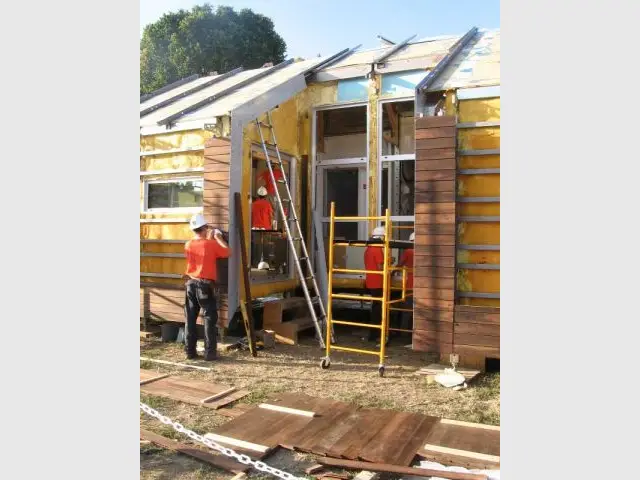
{"x": 378, "y": 232}
{"x": 412, "y": 237}
{"x": 262, "y": 192}
{"x": 197, "y": 221}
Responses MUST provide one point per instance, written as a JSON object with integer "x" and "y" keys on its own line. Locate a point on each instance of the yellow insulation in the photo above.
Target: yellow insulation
{"x": 480, "y": 110}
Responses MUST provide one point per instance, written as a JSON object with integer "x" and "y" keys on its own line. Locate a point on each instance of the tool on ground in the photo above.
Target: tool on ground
{"x": 245, "y": 304}
{"x": 296, "y": 237}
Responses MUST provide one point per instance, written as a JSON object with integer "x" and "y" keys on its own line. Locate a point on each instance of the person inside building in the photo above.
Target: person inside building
{"x": 262, "y": 211}
{"x": 406, "y": 260}
{"x": 202, "y": 252}
{"x": 261, "y": 219}
{"x": 374, "y": 261}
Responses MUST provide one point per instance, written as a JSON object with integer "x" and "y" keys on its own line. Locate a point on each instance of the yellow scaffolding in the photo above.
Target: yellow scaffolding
{"x": 387, "y": 287}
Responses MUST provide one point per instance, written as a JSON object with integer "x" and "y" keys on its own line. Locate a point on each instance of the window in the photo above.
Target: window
{"x": 183, "y": 193}
{"x": 397, "y": 164}
{"x": 269, "y": 250}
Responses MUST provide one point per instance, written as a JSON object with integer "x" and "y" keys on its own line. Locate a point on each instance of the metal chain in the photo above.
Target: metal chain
{"x": 244, "y": 459}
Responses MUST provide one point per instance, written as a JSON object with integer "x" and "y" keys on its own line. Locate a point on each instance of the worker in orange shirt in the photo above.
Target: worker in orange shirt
{"x": 374, "y": 261}
{"x": 202, "y": 252}
{"x": 262, "y": 212}
{"x": 406, "y": 260}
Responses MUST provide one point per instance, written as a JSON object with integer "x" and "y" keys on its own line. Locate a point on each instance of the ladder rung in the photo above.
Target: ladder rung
{"x": 280, "y": 181}
{"x": 285, "y": 199}
{"x": 303, "y": 258}
{"x": 274, "y": 145}
{"x": 266, "y": 125}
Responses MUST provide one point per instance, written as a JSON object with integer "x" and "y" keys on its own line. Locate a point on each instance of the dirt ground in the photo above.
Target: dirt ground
{"x": 351, "y": 378}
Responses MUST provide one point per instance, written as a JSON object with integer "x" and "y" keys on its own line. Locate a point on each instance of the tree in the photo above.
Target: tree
{"x": 202, "y": 40}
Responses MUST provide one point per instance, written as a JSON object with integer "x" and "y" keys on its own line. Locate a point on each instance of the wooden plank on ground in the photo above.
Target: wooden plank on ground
{"x": 418, "y": 472}
{"x": 328, "y": 410}
{"x": 342, "y": 425}
{"x": 465, "y": 438}
{"x": 390, "y": 443}
{"x": 195, "y": 452}
{"x": 371, "y": 421}
{"x": 192, "y": 391}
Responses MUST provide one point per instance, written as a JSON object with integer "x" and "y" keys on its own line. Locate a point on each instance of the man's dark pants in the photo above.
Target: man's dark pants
{"x": 200, "y": 295}
{"x": 376, "y": 314}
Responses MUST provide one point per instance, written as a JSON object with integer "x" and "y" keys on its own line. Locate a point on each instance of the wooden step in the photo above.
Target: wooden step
{"x": 273, "y": 313}
{"x": 287, "y": 332}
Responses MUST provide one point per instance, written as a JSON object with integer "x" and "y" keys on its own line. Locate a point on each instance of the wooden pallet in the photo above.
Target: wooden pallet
{"x": 287, "y": 317}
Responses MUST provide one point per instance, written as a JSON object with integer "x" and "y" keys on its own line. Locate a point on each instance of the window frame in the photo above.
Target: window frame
{"x": 178, "y": 179}
{"x": 293, "y": 185}
{"x": 391, "y": 158}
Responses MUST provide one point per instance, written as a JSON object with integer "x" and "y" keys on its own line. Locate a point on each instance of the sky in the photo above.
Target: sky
{"x": 325, "y": 27}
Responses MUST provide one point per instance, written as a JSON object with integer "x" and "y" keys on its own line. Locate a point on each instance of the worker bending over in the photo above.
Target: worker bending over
{"x": 374, "y": 261}
{"x": 202, "y": 252}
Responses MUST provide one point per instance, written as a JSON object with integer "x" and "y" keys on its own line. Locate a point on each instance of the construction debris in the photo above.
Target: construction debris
{"x": 386, "y": 468}
{"x": 195, "y": 452}
{"x": 183, "y": 365}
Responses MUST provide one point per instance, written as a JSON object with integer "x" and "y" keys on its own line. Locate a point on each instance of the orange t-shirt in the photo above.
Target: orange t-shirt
{"x": 407, "y": 260}
{"x": 266, "y": 176}
{"x": 262, "y": 214}
{"x": 201, "y": 257}
{"x": 373, "y": 256}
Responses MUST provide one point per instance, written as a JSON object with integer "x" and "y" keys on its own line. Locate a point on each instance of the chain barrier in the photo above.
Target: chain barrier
{"x": 244, "y": 459}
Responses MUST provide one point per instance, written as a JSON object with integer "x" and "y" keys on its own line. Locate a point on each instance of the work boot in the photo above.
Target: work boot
{"x": 191, "y": 355}
{"x": 211, "y": 356}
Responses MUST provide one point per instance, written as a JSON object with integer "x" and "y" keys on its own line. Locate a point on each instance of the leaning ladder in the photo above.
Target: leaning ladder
{"x": 319, "y": 322}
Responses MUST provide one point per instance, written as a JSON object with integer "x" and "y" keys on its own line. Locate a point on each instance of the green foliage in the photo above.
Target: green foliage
{"x": 205, "y": 40}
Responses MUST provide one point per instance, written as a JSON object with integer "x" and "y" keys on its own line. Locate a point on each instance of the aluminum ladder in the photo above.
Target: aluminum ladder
{"x": 319, "y": 321}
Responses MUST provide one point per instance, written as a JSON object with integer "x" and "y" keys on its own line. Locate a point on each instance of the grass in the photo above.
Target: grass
{"x": 352, "y": 378}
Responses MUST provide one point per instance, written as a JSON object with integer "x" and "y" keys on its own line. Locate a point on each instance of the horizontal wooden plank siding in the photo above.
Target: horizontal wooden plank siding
{"x": 476, "y": 334}
{"x": 435, "y": 235}
{"x": 217, "y": 160}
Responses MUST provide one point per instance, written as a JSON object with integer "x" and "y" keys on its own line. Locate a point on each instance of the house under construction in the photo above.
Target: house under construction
{"x": 412, "y": 126}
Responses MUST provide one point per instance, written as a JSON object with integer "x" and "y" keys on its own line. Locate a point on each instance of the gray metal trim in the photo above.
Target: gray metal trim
{"x": 198, "y": 105}
{"x": 145, "y": 240}
{"x": 477, "y": 295}
{"x": 386, "y": 40}
{"x": 479, "y": 266}
{"x": 191, "y": 91}
{"x": 239, "y": 118}
{"x": 392, "y": 50}
{"x": 166, "y": 88}
{"x": 431, "y": 77}
{"x": 479, "y": 171}
{"x": 341, "y": 55}
{"x": 489, "y": 151}
{"x": 160, "y": 275}
{"x": 480, "y": 219}
{"x": 478, "y": 93}
{"x": 341, "y": 73}
{"x": 162, "y": 255}
{"x": 478, "y": 199}
{"x": 477, "y": 124}
{"x": 480, "y": 248}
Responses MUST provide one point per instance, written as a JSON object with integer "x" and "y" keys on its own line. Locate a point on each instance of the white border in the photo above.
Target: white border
{"x": 146, "y": 183}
